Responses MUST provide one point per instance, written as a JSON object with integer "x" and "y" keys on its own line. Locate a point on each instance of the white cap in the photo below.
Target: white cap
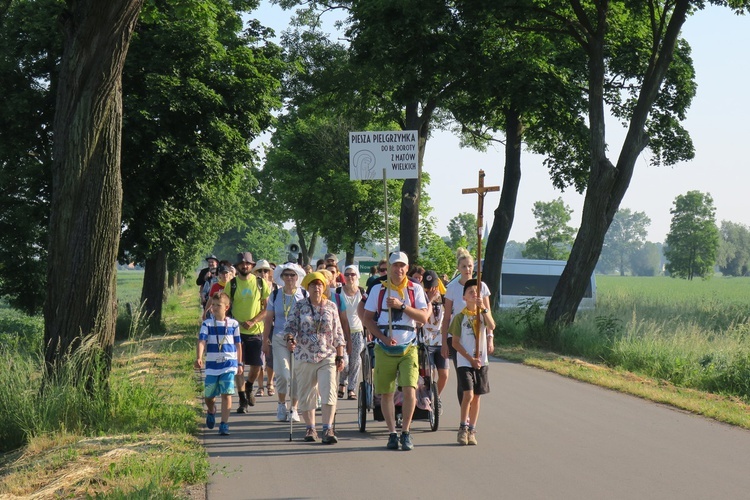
{"x": 398, "y": 257}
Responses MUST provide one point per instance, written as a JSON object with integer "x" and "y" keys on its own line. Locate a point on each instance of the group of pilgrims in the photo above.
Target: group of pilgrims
{"x": 303, "y": 331}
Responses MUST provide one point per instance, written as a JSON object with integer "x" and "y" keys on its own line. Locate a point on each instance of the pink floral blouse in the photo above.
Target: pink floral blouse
{"x": 316, "y": 330}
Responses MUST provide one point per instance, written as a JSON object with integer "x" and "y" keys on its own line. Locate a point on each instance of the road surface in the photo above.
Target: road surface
{"x": 541, "y": 436}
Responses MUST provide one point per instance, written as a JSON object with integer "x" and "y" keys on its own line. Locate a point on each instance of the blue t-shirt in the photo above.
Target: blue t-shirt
{"x": 279, "y": 305}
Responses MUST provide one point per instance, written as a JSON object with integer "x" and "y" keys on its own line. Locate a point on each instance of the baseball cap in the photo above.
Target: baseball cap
{"x": 398, "y": 257}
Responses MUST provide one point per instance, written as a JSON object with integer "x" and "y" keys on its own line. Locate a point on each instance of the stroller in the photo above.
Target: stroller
{"x": 427, "y": 392}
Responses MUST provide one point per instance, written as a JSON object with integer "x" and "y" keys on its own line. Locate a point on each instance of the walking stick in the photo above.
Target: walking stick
{"x": 291, "y": 394}
{"x": 481, "y": 190}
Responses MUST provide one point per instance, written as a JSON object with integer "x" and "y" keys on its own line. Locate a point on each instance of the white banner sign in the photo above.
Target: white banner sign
{"x": 371, "y": 152}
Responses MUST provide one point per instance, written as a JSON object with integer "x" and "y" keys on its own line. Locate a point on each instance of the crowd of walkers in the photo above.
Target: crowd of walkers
{"x": 303, "y": 330}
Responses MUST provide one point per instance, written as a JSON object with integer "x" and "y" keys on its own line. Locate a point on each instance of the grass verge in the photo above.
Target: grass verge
{"x": 141, "y": 444}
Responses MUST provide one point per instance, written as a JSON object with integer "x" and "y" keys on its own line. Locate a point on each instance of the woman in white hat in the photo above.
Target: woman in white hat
{"x": 287, "y": 277}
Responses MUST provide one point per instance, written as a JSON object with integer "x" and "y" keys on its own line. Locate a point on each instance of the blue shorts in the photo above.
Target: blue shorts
{"x": 217, "y": 385}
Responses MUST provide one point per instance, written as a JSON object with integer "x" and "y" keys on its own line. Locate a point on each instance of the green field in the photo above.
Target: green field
{"x": 693, "y": 334}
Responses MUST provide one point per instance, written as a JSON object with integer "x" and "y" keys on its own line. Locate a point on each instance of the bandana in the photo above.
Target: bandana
{"x": 388, "y": 284}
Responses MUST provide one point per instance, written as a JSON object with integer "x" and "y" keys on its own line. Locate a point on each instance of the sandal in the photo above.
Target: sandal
{"x": 342, "y": 389}
{"x": 259, "y": 394}
{"x": 352, "y": 395}
{"x": 271, "y": 391}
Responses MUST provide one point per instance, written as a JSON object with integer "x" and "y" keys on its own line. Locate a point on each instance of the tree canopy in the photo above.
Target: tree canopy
{"x": 553, "y": 235}
{"x": 693, "y": 238}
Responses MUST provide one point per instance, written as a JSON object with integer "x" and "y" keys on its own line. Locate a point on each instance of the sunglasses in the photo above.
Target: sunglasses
{"x": 288, "y": 275}
{"x": 382, "y": 269}
{"x": 349, "y": 275}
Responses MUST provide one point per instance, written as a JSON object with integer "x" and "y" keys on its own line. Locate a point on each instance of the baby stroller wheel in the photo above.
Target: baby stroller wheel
{"x": 362, "y": 407}
{"x": 434, "y": 407}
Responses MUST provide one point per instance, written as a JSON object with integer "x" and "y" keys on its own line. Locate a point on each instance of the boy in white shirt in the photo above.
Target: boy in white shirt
{"x": 472, "y": 371}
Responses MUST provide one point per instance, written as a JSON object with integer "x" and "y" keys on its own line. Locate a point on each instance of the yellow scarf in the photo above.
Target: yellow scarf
{"x": 387, "y": 284}
{"x": 471, "y": 315}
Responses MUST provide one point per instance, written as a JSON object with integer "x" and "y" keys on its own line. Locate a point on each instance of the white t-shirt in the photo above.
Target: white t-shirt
{"x": 462, "y": 327}
{"x": 455, "y": 292}
{"x": 404, "y": 327}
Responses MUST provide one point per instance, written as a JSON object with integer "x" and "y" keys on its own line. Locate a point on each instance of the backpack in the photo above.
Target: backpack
{"x": 233, "y": 289}
{"x": 276, "y": 293}
{"x": 409, "y": 291}
{"x": 337, "y": 295}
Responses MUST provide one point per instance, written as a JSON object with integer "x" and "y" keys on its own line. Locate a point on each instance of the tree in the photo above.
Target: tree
{"x": 437, "y": 256}
{"x": 30, "y": 49}
{"x": 693, "y": 238}
{"x": 306, "y": 179}
{"x": 84, "y": 229}
{"x": 625, "y": 236}
{"x": 646, "y": 261}
{"x": 553, "y": 235}
{"x": 462, "y": 231}
{"x": 199, "y": 89}
{"x": 734, "y": 249}
{"x": 640, "y": 69}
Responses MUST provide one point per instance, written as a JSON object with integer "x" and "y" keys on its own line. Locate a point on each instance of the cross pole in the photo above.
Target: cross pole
{"x": 481, "y": 190}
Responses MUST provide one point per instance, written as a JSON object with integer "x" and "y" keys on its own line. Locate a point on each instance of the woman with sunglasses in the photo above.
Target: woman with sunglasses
{"x": 286, "y": 276}
{"x": 348, "y": 298}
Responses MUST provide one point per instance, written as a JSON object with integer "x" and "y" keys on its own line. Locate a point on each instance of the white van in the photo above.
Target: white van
{"x": 524, "y": 279}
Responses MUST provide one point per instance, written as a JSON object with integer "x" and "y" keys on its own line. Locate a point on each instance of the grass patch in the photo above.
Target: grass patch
{"x": 136, "y": 438}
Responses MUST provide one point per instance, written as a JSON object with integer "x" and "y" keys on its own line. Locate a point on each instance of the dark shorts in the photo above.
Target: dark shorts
{"x": 470, "y": 379}
{"x": 252, "y": 348}
{"x": 440, "y": 362}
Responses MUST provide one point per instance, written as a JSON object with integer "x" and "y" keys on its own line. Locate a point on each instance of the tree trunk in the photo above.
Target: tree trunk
{"x": 307, "y": 250}
{"x": 506, "y": 208}
{"x": 154, "y": 281}
{"x": 86, "y": 202}
{"x": 349, "y": 259}
{"x": 608, "y": 184}
{"x": 411, "y": 190}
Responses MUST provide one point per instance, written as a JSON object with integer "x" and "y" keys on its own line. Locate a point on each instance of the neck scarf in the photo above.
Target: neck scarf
{"x": 387, "y": 284}
{"x": 472, "y": 318}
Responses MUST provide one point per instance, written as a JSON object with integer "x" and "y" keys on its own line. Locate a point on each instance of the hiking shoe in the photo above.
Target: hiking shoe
{"x": 329, "y": 437}
{"x": 294, "y": 415}
{"x": 392, "y": 441}
{"x": 463, "y": 436}
{"x": 210, "y": 420}
{"x": 224, "y": 429}
{"x": 406, "y": 443}
{"x": 311, "y": 436}
{"x": 250, "y": 398}
{"x": 281, "y": 412}
{"x": 472, "y": 439}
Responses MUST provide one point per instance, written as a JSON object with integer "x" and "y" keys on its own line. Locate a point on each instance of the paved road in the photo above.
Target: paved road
{"x": 541, "y": 436}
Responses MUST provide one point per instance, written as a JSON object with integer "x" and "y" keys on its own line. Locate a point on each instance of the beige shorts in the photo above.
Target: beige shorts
{"x": 313, "y": 378}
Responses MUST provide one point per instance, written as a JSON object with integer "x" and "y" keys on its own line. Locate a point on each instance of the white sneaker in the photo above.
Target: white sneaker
{"x": 294, "y": 415}
{"x": 281, "y": 412}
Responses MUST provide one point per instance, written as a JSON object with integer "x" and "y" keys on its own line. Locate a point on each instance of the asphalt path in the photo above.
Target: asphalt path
{"x": 540, "y": 435}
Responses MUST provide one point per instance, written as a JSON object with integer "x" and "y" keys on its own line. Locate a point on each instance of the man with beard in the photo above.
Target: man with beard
{"x": 249, "y": 298}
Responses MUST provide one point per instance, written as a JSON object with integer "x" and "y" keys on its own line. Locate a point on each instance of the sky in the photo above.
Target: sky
{"x": 716, "y": 121}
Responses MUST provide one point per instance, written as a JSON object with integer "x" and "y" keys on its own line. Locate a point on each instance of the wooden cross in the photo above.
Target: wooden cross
{"x": 481, "y": 190}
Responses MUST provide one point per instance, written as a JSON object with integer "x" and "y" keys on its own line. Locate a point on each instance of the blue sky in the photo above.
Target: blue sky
{"x": 717, "y": 122}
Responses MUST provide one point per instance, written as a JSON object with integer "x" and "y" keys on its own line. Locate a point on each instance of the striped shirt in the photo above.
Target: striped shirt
{"x": 221, "y": 339}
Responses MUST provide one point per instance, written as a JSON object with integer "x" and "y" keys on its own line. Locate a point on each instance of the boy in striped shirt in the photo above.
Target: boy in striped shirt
{"x": 219, "y": 339}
